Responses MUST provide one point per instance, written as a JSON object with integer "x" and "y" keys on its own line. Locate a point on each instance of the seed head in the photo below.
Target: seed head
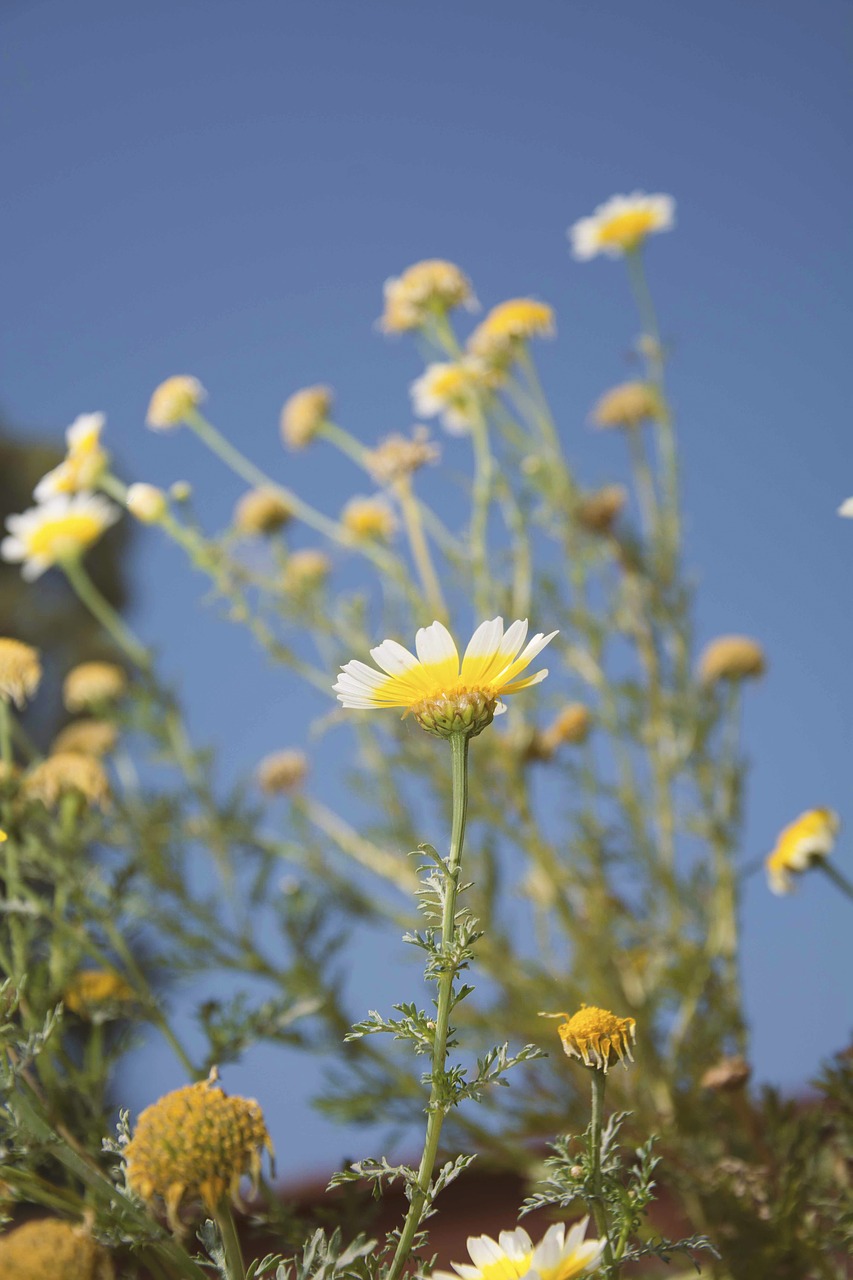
{"x": 282, "y": 772}
{"x": 628, "y": 405}
{"x": 597, "y": 512}
{"x": 261, "y": 511}
{"x": 174, "y": 401}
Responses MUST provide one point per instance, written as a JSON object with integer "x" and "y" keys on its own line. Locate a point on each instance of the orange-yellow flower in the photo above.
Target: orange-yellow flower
{"x": 803, "y": 843}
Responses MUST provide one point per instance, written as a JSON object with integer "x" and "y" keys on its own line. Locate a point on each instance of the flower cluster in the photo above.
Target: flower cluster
{"x": 561, "y": 1254}
{"x": 50, "y": 1247}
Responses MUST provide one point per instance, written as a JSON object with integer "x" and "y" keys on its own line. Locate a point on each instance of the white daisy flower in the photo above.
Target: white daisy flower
{"x": 54, "y": 531}
{"x": 621, "y": 224}
{"x": 83, "y": 463}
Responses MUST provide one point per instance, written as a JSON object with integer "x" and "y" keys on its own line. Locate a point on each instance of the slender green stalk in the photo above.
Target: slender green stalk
{"x": 230, "y": 1242}
{"x": 9, "y": 847}
{"x": 480, "y": 499}
{"x": 841, "y": 882}
{"x": 435, "y": 1113}
{"x": 596, "y": 1124}
{"x": 413, "y": 521}
{"x": 102, "y": 610}
{"x": 346, "y": 442}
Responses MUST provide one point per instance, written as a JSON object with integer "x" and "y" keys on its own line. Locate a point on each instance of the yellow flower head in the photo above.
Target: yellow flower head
{"x": 68, "y": 773}
{"x": 596, "y": 1036}
{"x": 451, "y": 390}
{"x": 731, "y": 658}
{"x": 804, "y": 842}
{"x": 174, "y": 401}
{"x": 55, "y": 531}
{"x": 194, "y": 1145}
{"x": 306, "y": 570}
{"x": 261, "y": 511}
{"x": 570, "y": 727}
{"x": 20, "y": 671}
{"x": 89, "y": 737}
{"x": 84, "y": 463}
{"x": 97, "y": 995}
{"x": 282, "y": 771}
{"x": 49, "y": 1247}
{"x": 429, "y": 287}
{"x": 91, "y": 684}
{"x": 509, "y": 325}
{"x": 621, "y": 225}
{"x": 369, "y": 518}
{"x": 146, "y": 502}
{"x": 445, "y": 698}
{"x": 560, "y": 1255}
{"x": 597, "y": 512}
{"x": 304, "y": 414}
{"x": 397, "y": 457}
{"x": 628, "y": 405}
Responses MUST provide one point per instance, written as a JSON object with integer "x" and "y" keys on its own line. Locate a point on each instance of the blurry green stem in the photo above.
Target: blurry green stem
{"x": 420, "y": 547}
{"x": 596, "y": 1124}
{"x": 841, "y": 882}
{"x": 230, "y": 1242}
{"x": 102, "y": 610}
{"x": 9, "y": 849}
{"x": 643, "y": 483}
{"x": 480, "y": 497}
{"x": 346, "y": 442}
{"x": 435, "y": 1111}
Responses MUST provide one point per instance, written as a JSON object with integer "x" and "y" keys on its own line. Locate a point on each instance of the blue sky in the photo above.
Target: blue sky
{"x": 221, "y": 188}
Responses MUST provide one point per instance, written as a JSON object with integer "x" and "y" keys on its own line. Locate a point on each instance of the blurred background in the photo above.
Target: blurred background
{"x": 220, "y": 189}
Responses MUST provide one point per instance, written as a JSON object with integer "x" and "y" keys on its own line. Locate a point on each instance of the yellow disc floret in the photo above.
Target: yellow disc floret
{"x": 88, "y": 737}
{"x": 49, "y": 1249}
{"x": 596, "y": 1036}
{"x": 498, "y": 339}
{"x": 369, "y": 519}
{"x": 304, "y": 414}
{"x": 97, "y": 995}
{"x": 193, "y": 1147}
{"x": 68, "y": 773}
{"x": 92, "y": 683}
{"x": 731, "y": 658}
{"x": 20, "y": 671}
{"x": 628, "y": 405}
{"x": 431, "y": 287}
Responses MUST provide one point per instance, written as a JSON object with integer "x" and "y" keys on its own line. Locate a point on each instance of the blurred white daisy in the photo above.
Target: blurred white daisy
{"x": 621, "y": 224}
{"x": 58, "y": 530}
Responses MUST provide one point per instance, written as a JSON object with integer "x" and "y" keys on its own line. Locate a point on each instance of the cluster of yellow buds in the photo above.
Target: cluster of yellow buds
{"x": 20, "y": 671}
{"x": 424, "y": 289}
{"x": 49, "y": 1247}
{"x": 67, "y": 773}
{"x": 501, "y": 336}
{"x": 628, "y": 405}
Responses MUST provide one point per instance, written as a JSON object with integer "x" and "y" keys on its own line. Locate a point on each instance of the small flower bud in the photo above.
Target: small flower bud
{"x": 146, "y": 502}
{"x": 174, "y": 401}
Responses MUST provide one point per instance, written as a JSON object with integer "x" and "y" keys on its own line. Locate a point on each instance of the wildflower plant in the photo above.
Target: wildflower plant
{"x": 575, "y": 847}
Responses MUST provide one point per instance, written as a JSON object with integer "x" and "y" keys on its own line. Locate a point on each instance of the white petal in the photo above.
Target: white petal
{"x": 434, "y": 644}
{"x": 513, "y": 639}
{"x": 393, "y": 658}
{"x": 486, "y": 639}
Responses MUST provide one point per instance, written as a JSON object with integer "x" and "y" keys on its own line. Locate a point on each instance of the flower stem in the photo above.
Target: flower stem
{"x": 435, "y": 1111}
{"x": 599, "y": 1083}
{"x": 230, "y": 1242}
{"x": 841, "y": 882}
{"x": 102, "y": 610}
{"x": 420, "y": 548}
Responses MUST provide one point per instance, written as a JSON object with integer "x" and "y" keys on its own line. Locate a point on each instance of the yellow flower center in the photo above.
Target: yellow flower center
{"x": 628, "y": 230}
{"x": 57, "y": 539}
{"x": 507, "y": 1268}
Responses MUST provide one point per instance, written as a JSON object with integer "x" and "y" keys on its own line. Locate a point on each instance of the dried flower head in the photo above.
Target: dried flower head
{"x": 597, "y": 512}
{"x": 570, "y": 727}
{"x": 453, "y": 391}
{"x": 194, "y": 1146}
{"x": 67, "y": 773}
{"x": 803, "y": 843}
{"x": 304, "y": 414}
{"x": 424, "y": 289}
{"x": 369, "y": 519}
{"x": 84, "y": 462}
{"x": 596, "y": 1036}
{"x": 621, "y": 225}
{"x": 97, "y": 995}
{"x": 306, "y": 570}
{"x": 498, "y": 338}
{"x": 628, "y": 405}
{"x": 560, "y": 1255}
{"x": 397, "y": 457}
{"x": 174, "y": 401}
{"x": 261, "y": 511}
{"x": 146, "y": 502}
{"x": 92, "y": 684}
{"x": 731, "y": 658}
{"x": 49, "y": 1247}
{"x": 282, "y": 771}
{"x": 444, "y": 698}
{"x": 89, "y": 737}
{"x": 20, "y": 671}
{"x": 727, "y": 1075}
{"x": 56, "y": 531}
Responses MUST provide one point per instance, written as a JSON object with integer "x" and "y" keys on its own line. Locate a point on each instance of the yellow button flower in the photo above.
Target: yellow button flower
{"x": 97, "y": 995}
{"x": 282, "y": 771}
{"x": 306, "y": 570}
{"x": 146, "y": 502}
{"x": 174, "y": 401}
{"x": 731, "y": 658}
{"x": 445, "y": 698}
{"x": 49, "y": 1249}
{"x": 451, "y": 390}
{"x": 20, "y": 671}
{"x": 194, "y": 1146}
{"x": 628, "y": 405}
{"x": 58, "y": 530}
{"x": 596, "y": 1036}
{"x": 88, "y": 737}
{"x": 90, "y": 684}
{"x": 67, "y": 773}
{"x": 499, "y": 337}
{"x": 804, "y": 842}
{"x": 423, "y": 289}
{"x": 304, "y": 414}
{"x": 369, "y": 519}
{"x": 261, "y": 511}
{"x": 621, "y": 225}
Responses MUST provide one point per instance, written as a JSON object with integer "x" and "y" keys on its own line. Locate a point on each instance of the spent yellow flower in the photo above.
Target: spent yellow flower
{"x": 731, "y": 658}
{"x": 498, "y": 338}
{"x": 92, "y": 684}
{"x": 20, "y": 671}
{"x": 193, "y": 1147}
{"x": 260, "y": 511}
{"x": 453, "y": 391}
{"x": 570, "y": 727}
{"x": 397, "y": 457}
{"x": 597, "y": 512}
{"x": 282, "y": 771}
{"x": 560, "y": 1255}
{"x": 67, "y": 773}
{"x": 89, "y": 737}
{"x": 56, "y": 531}
{"x": 596, "y": 1036}
{"x": 424, "y": 289}
{"x": 50, "y": 1249}
{"x": 369, "y": 519}
{"x": 803, "y": 843}
{"x": 304, "y": 414}
{"x": 306, "y": 570}
{"x": 628, "y": 405}
{"x": 84, "y": 462}
{"x": 97, "y": 995}
{"x": 444, "y": 697}
{"x": 146, "y": 502}
{"x": 174, "y": 401}
{"x": 621, "y": 225}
